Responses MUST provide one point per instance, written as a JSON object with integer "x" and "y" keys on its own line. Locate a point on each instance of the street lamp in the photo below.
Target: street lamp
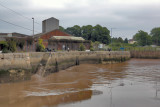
{"x": 111, "y": 35}
{"x": 33, "y": 26}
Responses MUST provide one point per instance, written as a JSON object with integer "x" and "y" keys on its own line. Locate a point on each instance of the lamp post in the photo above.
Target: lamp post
{"x": 33, "y": 25}
{"x": 111, "y": 35}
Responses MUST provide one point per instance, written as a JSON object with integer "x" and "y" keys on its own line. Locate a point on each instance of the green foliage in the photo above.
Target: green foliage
{"x": 82, "y": 47}
{"x": 29, "y": 40}
{"x": 89, "y": 32}
{"x": 126, "y": 40}
{"x": 142, "y": 38}
{"x": 91, "y": 47}
{"x": 96, "y": 45}
{"x": 117, "y": 40}
{"x": 40, "y": 47}
{"x": 5, "y": 50}
{"x": 75, "y": 30}
{"x": 20, "y": 43}
{"x": 61, "y": 28}
{"x": 4, "y": 46}
{"x": 12, "y": 46}
{"x": 155, "y": 33}
{"x": 131, "y": 47}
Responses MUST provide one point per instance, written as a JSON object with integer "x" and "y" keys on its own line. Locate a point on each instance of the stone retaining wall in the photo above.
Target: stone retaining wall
{"x": 58, "y": 60}
{"x": 145, "y": 54}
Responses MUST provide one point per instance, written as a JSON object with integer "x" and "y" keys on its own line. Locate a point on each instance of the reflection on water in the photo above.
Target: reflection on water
{"x": 135, "y": 83}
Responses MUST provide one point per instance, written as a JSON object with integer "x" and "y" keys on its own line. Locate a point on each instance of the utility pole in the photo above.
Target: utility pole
{"x": 111, "y": 35}
{"x": 33, "y": 26}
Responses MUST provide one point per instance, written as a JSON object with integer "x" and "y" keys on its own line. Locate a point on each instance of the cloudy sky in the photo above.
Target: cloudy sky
{"x": 127, "y": 16}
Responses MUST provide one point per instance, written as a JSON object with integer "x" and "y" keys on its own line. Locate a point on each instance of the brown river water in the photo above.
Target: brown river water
{"x": 135, "y": 83}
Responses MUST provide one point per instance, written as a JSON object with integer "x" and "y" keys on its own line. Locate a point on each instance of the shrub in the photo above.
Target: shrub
{"x": 91, "y": 47}
{"x": 40, "y": 47}
{"x": 82, "y": 47}
{"x": 5, "y": 50}
{"x": 30, "y": 40}
{"x": 12, "y": 46}
{"x": 20, "y": 43}
{"x": 4, "y": 46}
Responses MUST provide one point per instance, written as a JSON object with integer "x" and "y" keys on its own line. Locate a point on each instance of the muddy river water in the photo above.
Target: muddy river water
{"x": 135, "y": 83}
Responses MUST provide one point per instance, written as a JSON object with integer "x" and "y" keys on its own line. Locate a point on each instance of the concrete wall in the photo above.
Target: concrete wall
{"x": 56, "y": 61}
{"x": 50, "y": 24}
{"x": 15, "y": 60}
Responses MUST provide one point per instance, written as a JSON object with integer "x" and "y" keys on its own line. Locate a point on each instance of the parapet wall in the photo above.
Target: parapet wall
{"x": 58, "y": 60}
{"x": 145, "y": 54}
{"x": 15, "y": 60}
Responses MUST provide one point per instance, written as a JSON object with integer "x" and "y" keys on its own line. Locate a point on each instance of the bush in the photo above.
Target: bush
{"x": 40, "y": 47}
{"x": 5, "y": 50}
{"x": 12, "y": 46}
{"x": 20, "y": 43}
{"x": 91, "y": 47}
{"x": 82, "y": 47}
{"x": 30, "y": 40}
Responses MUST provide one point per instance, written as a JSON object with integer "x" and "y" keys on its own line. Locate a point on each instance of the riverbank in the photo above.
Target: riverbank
{"x": 145, "y": 54}
{"x": 44, "y": 63}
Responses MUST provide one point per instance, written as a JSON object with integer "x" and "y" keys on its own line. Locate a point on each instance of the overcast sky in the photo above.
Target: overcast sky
{"x": 127, "y": 16}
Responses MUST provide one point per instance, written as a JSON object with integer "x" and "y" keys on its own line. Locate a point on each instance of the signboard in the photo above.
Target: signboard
{"x": 122, "y": 48}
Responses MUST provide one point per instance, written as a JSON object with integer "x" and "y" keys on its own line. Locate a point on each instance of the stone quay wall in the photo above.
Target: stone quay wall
{"x": 145, "y": 54}
{"x": 56, "y": 61}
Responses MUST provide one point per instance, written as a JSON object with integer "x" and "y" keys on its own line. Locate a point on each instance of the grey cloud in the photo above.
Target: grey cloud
{"x": 127, "y": 19}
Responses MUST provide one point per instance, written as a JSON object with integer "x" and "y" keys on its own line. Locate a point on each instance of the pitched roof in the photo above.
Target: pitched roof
{"x": 41, "y": 34}
{"x": 67, "y": 38}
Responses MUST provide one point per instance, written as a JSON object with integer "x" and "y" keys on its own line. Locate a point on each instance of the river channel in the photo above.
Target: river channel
{"x": 134, "y": 83}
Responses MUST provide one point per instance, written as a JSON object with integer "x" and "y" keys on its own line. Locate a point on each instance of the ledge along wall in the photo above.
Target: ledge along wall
{"x": 45, "y": 63}
{"x": 145, "y": 54}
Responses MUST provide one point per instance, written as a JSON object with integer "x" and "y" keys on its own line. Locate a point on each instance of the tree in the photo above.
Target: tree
{"x": 125, "y": 40}
{"x": 155, "y": 33}
{"x": 101, "y": 34}
{"x": 61, "y": 28}
{"x": 88, "y": 32}
{"x": 75, "y": 30}
{"x": 117, "y": 40}
{"x": 120, "y": 40}
{"x": 142, "y": 38}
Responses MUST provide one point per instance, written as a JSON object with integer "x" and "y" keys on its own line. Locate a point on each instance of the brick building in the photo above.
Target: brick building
{"x": 57, "y": 39}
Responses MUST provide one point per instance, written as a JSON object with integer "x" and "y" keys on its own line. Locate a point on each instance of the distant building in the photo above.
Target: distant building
{"x": 19, "y": 37}
{"x": 54, "y": 38}
{"x": 3, "y": 36}
{"x": 14, "y": 34}
{"x": 131, "y": 41}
